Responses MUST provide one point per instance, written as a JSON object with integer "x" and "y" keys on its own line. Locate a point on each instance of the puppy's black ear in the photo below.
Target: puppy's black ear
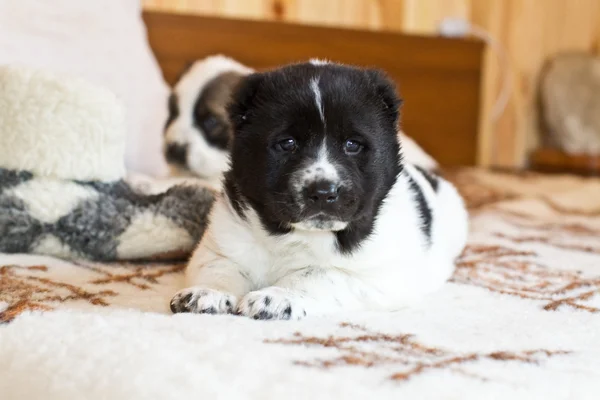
{"x": 386, "y": 90}
{"x": 242, "y": 99}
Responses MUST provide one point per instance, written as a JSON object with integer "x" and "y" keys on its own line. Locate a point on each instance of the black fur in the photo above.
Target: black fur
{"x": 214, "y": 129}
{"x": 176, "y": 153}
{"x": 173, "y": 108}
{"x": 358, "y": 105}
{"x": 213, "y": 126}
{"x": 431, "y": 177}
{"x": 423, "y": 207}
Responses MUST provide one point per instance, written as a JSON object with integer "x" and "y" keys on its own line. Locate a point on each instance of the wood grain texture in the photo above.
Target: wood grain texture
{"x": 531, "y": 31}
{"x": 438, "y": 78}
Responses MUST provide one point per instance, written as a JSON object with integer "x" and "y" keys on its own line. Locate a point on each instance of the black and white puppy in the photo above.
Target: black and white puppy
{"x": 319, "y": 212}
{"x": 197, "y": 136}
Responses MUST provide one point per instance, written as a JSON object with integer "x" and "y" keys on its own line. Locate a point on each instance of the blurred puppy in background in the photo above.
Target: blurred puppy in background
{"x": 198, "y": 133}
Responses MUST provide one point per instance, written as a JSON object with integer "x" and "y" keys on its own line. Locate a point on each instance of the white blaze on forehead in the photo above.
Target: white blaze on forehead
{"x": 314, "y": 85}
{"x": 318, "y": 61}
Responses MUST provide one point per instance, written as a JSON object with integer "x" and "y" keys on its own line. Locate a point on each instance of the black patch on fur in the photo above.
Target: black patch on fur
{"x": 235, "y": 198}
{"x": 181, "y": 304}
{"x": 176, "y": 153}
{"x": 208, "y": 113}
{"x": 173, "y": 107}
{"x": 273, "y": 106}
{"x": 423, "y": 208}
{"x": 431, "y": 177}
{"x": 308, "y": 272}
{"x": 10, "y": 178}
{"x": 287, "y": 312}
{"x": 264, "y": 314}
{"x": 267, "y": 301}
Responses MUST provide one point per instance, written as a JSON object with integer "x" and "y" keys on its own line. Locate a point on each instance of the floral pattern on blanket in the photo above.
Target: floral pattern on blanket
{"x": 402, "y": 353}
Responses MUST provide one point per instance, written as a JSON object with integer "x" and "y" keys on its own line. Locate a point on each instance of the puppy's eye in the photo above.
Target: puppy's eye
{"x": 209, "y": 123}
{"x": 288, "y": 145}
{"x": 352, "y": 146}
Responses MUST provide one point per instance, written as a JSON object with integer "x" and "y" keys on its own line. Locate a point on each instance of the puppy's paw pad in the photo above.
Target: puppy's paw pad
{"x": 272, "y": 303}
{"x": 203, "y": 301}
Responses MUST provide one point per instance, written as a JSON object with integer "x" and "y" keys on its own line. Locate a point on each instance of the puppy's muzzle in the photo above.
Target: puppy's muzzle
{"x": 322, "y": 196}
{"x": 176, "y": 153}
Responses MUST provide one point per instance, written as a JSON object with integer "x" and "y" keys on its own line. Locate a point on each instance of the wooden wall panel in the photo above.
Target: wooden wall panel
{"x": 530, "y": 30}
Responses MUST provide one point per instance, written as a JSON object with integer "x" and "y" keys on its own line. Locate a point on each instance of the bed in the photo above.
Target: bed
{"x": 519, "y": 319}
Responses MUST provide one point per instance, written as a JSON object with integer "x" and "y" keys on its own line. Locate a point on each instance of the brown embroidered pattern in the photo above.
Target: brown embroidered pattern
{"x": 517, "y": 273}
{"x": 504, "y": 262}
{"x": 401, "y": 352}
{"x": 139, "y": 276}
{"x": 26, "y": 292}
{"x": 34, "y": 288}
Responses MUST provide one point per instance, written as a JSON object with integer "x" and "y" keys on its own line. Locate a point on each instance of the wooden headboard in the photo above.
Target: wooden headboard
{"x": 438, "y": 78}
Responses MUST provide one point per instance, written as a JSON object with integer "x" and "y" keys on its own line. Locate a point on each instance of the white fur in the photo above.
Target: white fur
{"x": 204, "y": 160}
{"x": 393, "y": 267}
{"x": 60, "y": 126}
{"x": 315, "y": 225}
{"x": 321, "y": 169}
{"x": 414, "y": 154}
{"x": 318, "y": 61}
{"x": 314, "y": 86}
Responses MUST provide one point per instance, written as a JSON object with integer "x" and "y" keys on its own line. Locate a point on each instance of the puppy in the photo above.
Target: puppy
{"x": 320, "y": 213}
{"x": 198, "y": 133}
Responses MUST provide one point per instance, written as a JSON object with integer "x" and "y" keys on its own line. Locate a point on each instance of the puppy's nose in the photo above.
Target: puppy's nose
{"x": 322, "y": 193}
{"x": 176, "y": 153}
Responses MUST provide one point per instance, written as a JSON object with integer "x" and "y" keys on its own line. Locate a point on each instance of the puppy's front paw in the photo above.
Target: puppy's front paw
{"x": 272, "y": 303}
{"x": 203, "y": 301}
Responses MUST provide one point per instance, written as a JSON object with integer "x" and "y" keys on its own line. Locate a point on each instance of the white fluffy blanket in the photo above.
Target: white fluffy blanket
{"x": 520, "y": 320}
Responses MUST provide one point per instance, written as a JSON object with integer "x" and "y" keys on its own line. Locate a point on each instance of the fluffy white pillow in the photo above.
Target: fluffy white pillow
{"x": 101, "y": 41}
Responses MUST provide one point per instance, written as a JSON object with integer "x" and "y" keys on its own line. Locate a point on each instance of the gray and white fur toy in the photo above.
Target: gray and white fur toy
{"x": 197, "y": 132}
{"x": 63, "y": 187}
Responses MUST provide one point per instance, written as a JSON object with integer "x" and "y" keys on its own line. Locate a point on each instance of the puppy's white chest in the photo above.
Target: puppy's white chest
{"x": 301, "y": 250}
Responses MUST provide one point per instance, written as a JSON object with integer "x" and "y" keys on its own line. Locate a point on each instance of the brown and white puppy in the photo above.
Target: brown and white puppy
{"x": 198, "y": 133}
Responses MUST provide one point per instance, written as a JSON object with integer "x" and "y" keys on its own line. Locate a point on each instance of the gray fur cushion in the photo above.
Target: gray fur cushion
{"x": 97, "y": 220}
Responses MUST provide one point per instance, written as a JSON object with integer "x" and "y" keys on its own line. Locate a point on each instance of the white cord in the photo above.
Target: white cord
{"x": 458, "y": 27}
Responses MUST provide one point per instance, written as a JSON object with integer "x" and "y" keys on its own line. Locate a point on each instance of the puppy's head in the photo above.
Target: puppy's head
{"x": 197, "y": 132}
{"x": 315, "y": 146}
